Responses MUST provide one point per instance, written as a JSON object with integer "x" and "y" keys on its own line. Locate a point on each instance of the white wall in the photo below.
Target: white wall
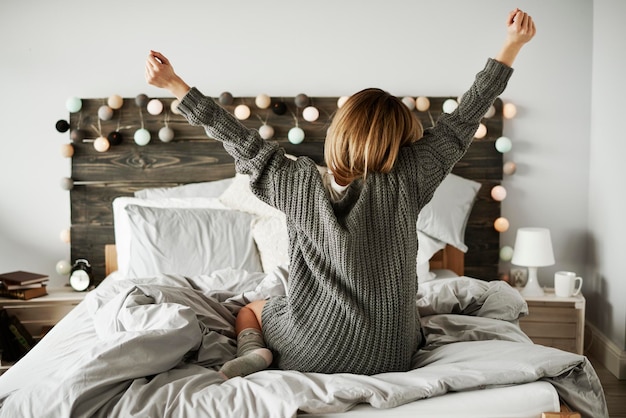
{"x": 54, "y": 50}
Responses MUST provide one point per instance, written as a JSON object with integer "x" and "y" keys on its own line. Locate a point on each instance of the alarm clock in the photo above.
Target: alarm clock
{"x": 80, "y": 276}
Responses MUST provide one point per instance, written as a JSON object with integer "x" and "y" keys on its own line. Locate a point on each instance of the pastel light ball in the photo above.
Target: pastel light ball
{"x": 506, "y": 253}
{"x": 63, "y": 267}
{"x": 101, "y": 144}
{"x": 501, "y": 224}
{"x": 105, "y": 112}
{"x": 498, "y": 193}
{"x": 242, "y": 112}
{"x": 65, "y": 236}
{"x": 174, "y": 106}
{"x": 67, "y": 150}
{"x": 450, "y": 105}
{"x": 409, "y": 102}
{"x": 155, "y": 107}
{"x": 141, "y": 100}
{"x": 481, "y": 132}
{"x": 310, "y": 114}
{"x": 301, "y": 100}
{"x": 226, "y": 98}
{"x": 142, "y": 137}
{"x": 503, "y": 144}
{"x": 266, "y": 131}
{"x": 115, "y": 101}
{"x": 342, "y": 101}
{"x": 62, "y": 125}
{"x": 296, "y": 135}
{"x": 77, "y": 135}
{"x": 67, "y": 183}
{"x": 509, "y": 168}
{"x": 166, "y": 134}
{"x": 509, "y": 110}
{"x": 491, "y": 112}
{"x": 263, "y": 101}
{"x": 73, "y": 104}
{"x": 422, "y": 103}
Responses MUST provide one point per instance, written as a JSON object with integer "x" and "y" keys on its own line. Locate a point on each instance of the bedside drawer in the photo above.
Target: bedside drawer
{"x": 39, "y": 318}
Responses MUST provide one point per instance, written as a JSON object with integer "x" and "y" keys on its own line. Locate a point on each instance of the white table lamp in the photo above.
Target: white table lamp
{"x": 533, "y": 248}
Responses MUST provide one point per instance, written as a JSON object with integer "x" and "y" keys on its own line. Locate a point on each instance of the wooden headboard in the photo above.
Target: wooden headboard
{"x": 99, "y": 177}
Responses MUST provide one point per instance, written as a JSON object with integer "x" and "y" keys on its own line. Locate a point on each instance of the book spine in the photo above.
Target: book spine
{"x": 19, "y": 337}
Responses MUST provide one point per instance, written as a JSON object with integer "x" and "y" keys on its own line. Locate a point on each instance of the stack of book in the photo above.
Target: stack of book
{"x": 23, "y": 285}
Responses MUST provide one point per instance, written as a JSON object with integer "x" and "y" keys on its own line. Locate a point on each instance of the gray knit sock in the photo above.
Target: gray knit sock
{"x": 252, "y": 355}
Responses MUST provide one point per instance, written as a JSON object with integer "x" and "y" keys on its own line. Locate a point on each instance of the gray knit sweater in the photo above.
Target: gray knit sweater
{"x": 350, "y": 306}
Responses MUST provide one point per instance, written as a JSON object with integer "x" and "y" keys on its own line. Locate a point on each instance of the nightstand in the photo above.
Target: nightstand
{"x": 556, "y": 322}
{"x": 40, "y": 314}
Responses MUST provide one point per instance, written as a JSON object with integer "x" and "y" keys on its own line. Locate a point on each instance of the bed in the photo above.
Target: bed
{"x": 147, "y": 341}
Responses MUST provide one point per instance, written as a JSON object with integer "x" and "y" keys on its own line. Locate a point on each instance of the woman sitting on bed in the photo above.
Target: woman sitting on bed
{"x": 350, "y": 306}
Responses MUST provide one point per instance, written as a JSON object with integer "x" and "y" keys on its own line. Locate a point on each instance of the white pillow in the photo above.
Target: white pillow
{"x": 446, "y": 215}
{"x": 239, "y": 196}
{"x": 272, "y": 240}
{"x": 122, "y": 225}
{"x": 189, "y": 241}
{"x": 204, "y": 189}
{"x": 428, "y": 246}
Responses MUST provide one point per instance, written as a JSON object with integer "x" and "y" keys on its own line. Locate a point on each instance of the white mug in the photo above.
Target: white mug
{"x": 565, "y": 284}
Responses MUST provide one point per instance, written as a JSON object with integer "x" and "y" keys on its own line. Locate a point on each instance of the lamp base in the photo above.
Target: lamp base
{"x": 532, "y": 287}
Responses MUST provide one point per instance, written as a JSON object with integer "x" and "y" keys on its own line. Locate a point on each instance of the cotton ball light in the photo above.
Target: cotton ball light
{"x": 296, "y": 135}
{"x": 105, "y": 112}
{"x": 509, "y": 110}
{"x": 155, "y": 107}
{"x": 101, "y": 144}
{"x": 63, "y": 267}
{"x": 166, "y": 134}
{"x": 342, "y": 101}
{"x": 115, "y": 101}
{"x": 450, "y": 105}
{"x": 301, "y": 100}
{"x": 491, "y": 112}
{"x": 481, "y": 131}
{"x": 67, "y": 183}
{"x": 310, "y": 113}
{"x": 174, "y": 106}
{"x": 67, "y": 150}
{"x": 266, "y": 131}
{"x": 503, "y": 144}
{"x": 422, "y": 103}
{"x": 509, "y": 168}
{"x": 242, "y": 112}
{"x": 279, "y": 108}
{"x": 501, "y": 224}
{"x": 226, "y": 98}
{"x": 62, "y": 125}
{"x": 506, "y": 253}
{"x": 498, "y": 193}
{"x": 73, "y": 104}
{"x": 409, "y": 102}
{"x": 115, "y": 138}
{"x": 77, "y": 135}
{"x": 142, "y": 136}
{"x": 65, "y": 236}
{"x": 141, "y": 100}
{"x": 263, "y": 101}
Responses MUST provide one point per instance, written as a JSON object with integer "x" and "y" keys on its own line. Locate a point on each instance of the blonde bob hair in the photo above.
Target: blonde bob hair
{"x": 366, "y": 135}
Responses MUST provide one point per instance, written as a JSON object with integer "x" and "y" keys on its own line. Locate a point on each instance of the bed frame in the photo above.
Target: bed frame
{"x": 99, "y": 177}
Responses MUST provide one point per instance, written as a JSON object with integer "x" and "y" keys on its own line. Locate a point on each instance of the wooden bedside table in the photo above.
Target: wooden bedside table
{"x": 556, "y": 322}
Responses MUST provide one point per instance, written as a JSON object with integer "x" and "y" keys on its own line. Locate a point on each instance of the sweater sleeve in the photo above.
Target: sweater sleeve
{"x": 431, "y": 159}
{"x": 253, "y": 155}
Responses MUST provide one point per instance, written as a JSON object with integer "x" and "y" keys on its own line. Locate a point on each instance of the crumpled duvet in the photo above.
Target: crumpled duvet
{"x": 155, "y": 344}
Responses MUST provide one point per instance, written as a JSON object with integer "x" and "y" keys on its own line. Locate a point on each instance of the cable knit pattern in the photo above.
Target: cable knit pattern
{"x": 350, "y": 305}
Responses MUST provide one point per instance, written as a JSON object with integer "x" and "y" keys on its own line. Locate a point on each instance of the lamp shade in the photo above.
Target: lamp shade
{"x": 533, "y": 248}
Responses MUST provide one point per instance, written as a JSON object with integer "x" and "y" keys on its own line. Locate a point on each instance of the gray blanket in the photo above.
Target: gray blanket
{"x": 152, "y": 348}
